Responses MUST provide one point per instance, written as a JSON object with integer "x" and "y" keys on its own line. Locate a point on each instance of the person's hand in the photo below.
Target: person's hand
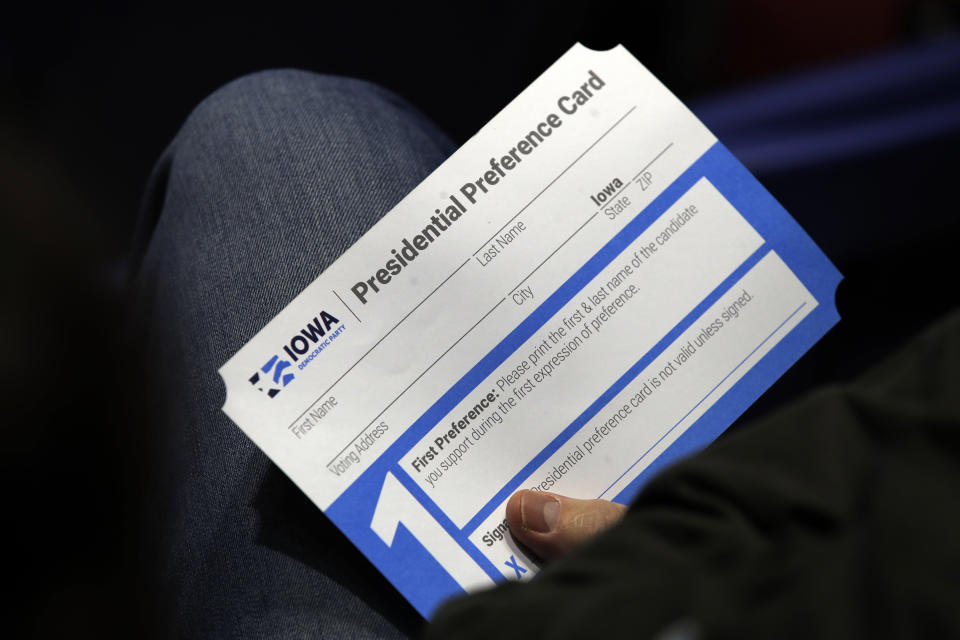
{"x": 551, "y": 525}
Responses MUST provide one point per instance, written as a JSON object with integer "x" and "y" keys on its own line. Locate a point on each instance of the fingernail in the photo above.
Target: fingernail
{"x": 539, "y": 511}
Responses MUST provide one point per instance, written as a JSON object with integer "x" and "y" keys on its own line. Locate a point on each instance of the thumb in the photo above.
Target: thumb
{"x": 551, "y": 525}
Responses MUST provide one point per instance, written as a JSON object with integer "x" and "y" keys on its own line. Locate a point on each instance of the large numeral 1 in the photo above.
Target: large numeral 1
{"x": 396, "y": 505}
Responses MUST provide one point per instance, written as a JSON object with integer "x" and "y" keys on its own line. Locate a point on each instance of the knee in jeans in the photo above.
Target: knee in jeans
{"x": 286, "y": 149}
{"x": 249, "y": 112}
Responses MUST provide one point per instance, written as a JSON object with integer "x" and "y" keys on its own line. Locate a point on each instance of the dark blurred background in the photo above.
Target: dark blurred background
{"x": 90, "y": 93}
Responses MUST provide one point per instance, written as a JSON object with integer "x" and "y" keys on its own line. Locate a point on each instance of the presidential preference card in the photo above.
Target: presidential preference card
{"x": 591, "y": 287}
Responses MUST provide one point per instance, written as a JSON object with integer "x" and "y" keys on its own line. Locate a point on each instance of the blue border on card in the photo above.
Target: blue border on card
{"x": 410, "y": 567}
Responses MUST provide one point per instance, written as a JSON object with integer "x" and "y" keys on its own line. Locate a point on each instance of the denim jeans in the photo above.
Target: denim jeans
{"x": 267, "y": 183}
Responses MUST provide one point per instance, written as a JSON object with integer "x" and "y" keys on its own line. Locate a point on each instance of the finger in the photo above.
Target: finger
{"x": 551, "y": 525}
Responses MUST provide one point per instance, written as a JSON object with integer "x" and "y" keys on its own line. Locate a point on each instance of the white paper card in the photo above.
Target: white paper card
{"x": 590, "y": 287}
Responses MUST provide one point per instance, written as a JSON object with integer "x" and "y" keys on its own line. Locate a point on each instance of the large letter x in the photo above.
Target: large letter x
{"x": 512, "y": 562}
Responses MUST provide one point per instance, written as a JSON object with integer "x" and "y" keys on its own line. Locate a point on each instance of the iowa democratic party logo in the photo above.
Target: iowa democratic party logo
{"x": 302, "y": 348}
{"x": 279, "y": 378}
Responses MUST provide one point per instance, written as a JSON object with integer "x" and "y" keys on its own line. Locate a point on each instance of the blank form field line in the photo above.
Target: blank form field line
{"x": 650, "y": 164}
{"x": 704, "y": 398}
{"x": 377, "y": 343}
{"x": 502, "y": 300}
{"x": 622, "y": 189}
{"x": 570, "y": 237}
{"x": 550, "y": 184}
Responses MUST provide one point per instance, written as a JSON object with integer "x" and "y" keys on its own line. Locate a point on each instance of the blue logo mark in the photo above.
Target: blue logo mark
{"x": 277, "y": 366}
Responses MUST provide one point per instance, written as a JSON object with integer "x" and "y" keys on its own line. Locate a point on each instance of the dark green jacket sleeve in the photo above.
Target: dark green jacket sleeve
{"x": 838, "y": 516}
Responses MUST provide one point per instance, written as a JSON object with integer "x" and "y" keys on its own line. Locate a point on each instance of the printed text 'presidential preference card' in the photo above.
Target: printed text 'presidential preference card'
{"x": 590, "y": 287}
